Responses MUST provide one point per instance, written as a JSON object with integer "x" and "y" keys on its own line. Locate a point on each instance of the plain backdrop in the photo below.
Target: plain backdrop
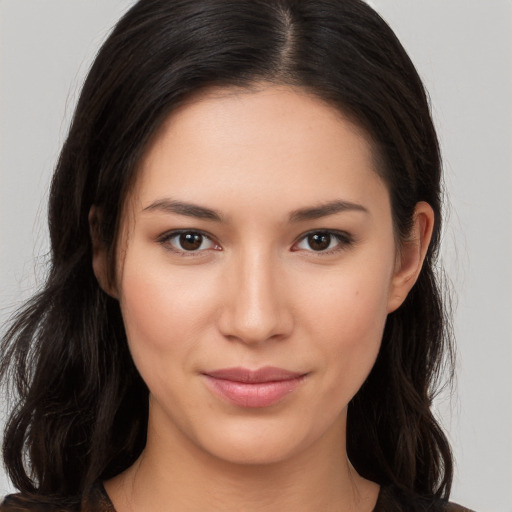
{"x": 463, "y": 51}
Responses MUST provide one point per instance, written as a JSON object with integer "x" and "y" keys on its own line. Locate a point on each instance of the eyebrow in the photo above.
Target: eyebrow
{"x": 302, "y": 214}
{"x": 182, "y": 208}
{"x": 323, "y": 210}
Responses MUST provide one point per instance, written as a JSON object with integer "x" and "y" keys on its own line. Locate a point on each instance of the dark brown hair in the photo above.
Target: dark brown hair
{"x": 81, "y": 409}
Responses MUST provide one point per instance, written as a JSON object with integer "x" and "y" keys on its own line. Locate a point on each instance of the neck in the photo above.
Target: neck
{"x": 174, "y": 474}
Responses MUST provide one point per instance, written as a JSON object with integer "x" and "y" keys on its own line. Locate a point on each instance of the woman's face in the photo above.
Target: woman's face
{"x": 256, "y": 268}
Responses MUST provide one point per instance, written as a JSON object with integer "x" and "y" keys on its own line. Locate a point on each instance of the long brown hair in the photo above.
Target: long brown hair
{"x": 81, "y": 410}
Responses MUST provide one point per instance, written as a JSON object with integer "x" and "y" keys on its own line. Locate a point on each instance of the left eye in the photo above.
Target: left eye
{"x": 189, "y": 241}
{"x": 322, "y": 241}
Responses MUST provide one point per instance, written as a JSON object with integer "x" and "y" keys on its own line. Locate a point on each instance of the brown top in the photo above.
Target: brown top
{"x": 97, "y": 500}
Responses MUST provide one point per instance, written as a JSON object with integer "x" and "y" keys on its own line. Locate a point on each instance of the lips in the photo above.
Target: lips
{"x": 253, "y": 388}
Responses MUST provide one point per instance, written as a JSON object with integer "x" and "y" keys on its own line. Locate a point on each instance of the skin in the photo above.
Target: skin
{"x": 256, "y": 293}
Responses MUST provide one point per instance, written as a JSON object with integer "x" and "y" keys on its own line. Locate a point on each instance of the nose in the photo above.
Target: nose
{"x": 255, "y": 306}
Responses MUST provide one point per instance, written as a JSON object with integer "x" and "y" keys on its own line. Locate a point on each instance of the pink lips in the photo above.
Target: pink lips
{"x": 253, "y": 388}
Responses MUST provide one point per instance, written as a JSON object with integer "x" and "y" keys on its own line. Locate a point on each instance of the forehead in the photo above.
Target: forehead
{"x": 271, "y": 143}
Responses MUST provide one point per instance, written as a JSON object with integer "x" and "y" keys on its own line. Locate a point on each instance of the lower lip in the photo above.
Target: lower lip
{"x": 256, "y": 394}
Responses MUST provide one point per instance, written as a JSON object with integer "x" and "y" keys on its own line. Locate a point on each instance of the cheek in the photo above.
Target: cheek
{"x": 351, "y": 306}
{"x": 163, "y": 312}
{"x": 347, "y": 319}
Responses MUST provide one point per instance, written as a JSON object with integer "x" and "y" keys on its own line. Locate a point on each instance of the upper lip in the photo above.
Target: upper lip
{"x": 265, "y": 374}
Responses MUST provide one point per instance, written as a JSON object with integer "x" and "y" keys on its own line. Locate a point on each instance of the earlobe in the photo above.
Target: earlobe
{"x": 412, "y": 255}
{"x": 99, "y": 254}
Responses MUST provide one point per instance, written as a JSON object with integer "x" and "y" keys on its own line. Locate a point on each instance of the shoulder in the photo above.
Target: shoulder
{"x": 94, "y": 500}
{"x": 23, "y": 503}
{"x": 392, "y": 499}
{"x": 453, "y": 507}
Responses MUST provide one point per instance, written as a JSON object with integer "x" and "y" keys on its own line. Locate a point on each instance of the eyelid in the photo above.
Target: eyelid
{"x": 164, "y": 240}
{"x": 345, "y": 241}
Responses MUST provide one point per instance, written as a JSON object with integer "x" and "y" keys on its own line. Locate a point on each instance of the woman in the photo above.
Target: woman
{"x": 242, "y": 311}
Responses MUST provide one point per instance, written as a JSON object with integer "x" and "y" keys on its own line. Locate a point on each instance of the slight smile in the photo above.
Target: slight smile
{"x": 253, "y": 388}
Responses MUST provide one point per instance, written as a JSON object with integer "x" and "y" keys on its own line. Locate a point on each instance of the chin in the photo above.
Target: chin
{"x": 259, "y": 442}
{"x": 255, "y": 452}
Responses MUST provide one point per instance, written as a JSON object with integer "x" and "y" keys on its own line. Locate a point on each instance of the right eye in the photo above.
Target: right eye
{"x": 188, "y": 242}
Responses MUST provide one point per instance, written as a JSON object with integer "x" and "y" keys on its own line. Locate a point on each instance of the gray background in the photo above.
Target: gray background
{"x": 462, "y": 49}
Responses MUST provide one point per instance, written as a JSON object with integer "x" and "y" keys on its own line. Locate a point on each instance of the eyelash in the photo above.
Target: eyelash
{"x": 344, "y": 239}
{"x": 166, "y": 239}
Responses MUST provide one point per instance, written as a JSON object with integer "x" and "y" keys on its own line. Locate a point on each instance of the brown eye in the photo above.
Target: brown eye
{"x": 190, "y": 241}
{"x": 324, "y": 242}
{"x": 319, "y": 241}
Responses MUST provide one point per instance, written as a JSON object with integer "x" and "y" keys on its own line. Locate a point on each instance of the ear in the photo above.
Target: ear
{"x": 99, "y": 254}
{"x": 411, "y": 255}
